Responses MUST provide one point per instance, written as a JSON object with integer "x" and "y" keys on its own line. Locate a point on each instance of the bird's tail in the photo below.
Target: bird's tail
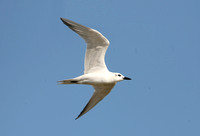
{"x": 68, "y": 81}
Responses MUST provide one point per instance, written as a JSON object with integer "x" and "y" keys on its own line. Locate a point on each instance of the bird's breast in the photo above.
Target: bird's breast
{"x": 98, "y": 78}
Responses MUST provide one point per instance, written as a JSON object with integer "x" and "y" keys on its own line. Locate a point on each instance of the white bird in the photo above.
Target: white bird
{"x": 95, "y": 72}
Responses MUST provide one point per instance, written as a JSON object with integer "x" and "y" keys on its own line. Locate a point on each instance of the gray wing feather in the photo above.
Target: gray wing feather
{"x": 99, "y": 93}
{"x": 97, "y": 45}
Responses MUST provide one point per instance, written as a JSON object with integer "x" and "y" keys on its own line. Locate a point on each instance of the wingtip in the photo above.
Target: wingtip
{"x": 66, "y": 22}
{"x": 78, "y": 116}
{"x": 61, "y": 18}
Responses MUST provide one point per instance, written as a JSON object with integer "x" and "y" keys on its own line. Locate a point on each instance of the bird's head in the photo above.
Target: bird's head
{"x": 119, "y": 77}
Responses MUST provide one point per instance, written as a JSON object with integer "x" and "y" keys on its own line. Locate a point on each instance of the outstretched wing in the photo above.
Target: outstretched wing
{"x": 97, "y": 45}
{"x": 100, "y": 92}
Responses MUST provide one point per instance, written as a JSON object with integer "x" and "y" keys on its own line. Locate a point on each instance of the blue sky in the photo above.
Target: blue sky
{"x": 155, "y": 42}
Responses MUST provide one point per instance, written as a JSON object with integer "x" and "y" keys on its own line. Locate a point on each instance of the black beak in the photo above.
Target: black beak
{"x": 127, "y": 78}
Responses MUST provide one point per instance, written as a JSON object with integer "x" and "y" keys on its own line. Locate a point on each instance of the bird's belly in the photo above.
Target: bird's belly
{"x": 93, "y": 79}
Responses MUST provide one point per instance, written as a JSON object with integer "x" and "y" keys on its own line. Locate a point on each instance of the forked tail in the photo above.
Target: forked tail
{"x": 68, "y": 81}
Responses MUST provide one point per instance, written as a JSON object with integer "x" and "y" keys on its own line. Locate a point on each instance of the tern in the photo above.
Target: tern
{"x": 96, "y": 73}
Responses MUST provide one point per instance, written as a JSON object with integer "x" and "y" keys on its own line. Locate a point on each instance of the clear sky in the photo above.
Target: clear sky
{"x": 155, "y": 42}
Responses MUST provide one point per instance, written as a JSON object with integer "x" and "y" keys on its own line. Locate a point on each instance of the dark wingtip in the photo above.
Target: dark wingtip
{"x": 77, "y": 117}
{"x": 61, "y": 18}
{"x": 80, "y": 114}
{"x": 65, "y": 22}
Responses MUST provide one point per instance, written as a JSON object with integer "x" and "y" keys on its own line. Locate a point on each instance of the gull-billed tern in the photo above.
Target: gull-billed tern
{"x": 95, "y": 70}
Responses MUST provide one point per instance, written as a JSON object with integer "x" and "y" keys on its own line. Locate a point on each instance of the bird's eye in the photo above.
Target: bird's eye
{"x": 119, "y": 75}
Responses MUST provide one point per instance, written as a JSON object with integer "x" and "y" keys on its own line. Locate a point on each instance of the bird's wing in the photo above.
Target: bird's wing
{"x": 100, "y": 92}
{"x": 97, "y": 45}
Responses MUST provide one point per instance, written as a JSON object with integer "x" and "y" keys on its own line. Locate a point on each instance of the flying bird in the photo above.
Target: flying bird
{"x": 96, "y": 73}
